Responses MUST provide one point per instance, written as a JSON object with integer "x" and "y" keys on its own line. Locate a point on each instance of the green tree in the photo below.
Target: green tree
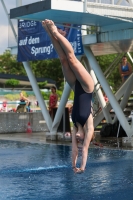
{"x": 60, "y": 91}
{"x": 48, "y": 69}
{"x": 42, "y": 84}
{"x": 114, "y": 79}
{"x": 9, "y": 64}
{"x": 12, "y": 82}
{"x": 52, "y": 69}
{"x": 45, "y": 95}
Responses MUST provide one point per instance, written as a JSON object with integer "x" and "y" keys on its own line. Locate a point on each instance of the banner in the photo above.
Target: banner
{"x": 35, "y": 44}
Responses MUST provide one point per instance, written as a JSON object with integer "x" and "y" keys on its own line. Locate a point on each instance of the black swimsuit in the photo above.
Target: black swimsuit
{"x": 82, "y": 105}
{"x": 22, "y": 100}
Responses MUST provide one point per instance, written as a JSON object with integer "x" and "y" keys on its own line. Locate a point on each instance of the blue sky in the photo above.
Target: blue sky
{"x": 4, "y": 22}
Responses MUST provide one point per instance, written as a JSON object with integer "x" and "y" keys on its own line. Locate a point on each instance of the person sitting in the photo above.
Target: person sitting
{"x": 22, "y": 106}
{"x": 125, "y": 69}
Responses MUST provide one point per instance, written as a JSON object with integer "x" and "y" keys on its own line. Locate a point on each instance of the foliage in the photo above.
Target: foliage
{"x": 71, "y": 96}
{"x": 9, "y": 64}
{"x": 45, "y": 95}
{"x": 52, "y": 69}
{"x": 12, "y": 97}
{"x": 92, "y": 29}
{"x": 12, "y": 82}
{"x": 45, "y": 68}
{"x": 42, "y": 84}
{"x": 59, "y": 93}
{"x": 48, "y": 69}
{"x": 114, "y": 79}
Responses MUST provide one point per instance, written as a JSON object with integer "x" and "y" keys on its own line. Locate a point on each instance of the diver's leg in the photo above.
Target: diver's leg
{"x": 68, "y": 73}
{"x": 78, "y": 69}
{"x": 61, "y": 55}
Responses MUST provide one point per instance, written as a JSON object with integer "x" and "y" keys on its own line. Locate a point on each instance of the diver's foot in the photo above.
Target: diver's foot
{"x": 51, "y": 26}
{"x": 46, "y": 28}
{"x": 79, "y": 170}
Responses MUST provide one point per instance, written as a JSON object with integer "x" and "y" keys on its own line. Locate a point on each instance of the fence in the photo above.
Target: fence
{"x": 17, "y": 122}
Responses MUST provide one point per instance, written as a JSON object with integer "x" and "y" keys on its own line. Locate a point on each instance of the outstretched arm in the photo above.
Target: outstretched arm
{"x": 89, "y": 130}
{"x": 74, "y": 150}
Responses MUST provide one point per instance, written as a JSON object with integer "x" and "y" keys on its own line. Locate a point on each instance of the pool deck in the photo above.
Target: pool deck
{"x": 40, "y": 137}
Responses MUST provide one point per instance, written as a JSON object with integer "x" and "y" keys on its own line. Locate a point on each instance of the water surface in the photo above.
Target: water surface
{"x": 43, "y": 172}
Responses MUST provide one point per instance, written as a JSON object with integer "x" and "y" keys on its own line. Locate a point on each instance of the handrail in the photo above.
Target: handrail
{"x": 109, "y": 71}
{"x": 118, "y": 61}
{"x": 110, "y": 66}
{"x": 112, "y": 2}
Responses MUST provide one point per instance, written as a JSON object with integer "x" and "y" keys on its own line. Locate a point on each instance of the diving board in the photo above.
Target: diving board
{"x": 63, "y": 12}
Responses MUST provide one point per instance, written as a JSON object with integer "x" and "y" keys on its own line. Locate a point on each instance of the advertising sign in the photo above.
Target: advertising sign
{"x": 35, "y": 44}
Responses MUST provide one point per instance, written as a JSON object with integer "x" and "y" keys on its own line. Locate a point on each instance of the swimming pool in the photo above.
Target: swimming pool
{"x": 43, "y": 172}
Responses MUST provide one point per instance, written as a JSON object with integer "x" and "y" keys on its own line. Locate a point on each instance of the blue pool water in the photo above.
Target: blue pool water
{"x": 43, "y": 172}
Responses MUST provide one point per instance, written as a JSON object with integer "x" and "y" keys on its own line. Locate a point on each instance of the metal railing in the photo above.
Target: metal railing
{"x": 113, "y": 2}
{"x": 107, "y": 73}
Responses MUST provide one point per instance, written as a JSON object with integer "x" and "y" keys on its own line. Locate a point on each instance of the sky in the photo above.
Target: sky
{"x": 4, "y": 23}
{"x": 4, "y": 30}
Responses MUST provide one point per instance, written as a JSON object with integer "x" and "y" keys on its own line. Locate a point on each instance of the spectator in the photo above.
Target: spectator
{"x": 125, "y": 69}
{"x": 22, "y": 106}
{"x": 53, "y": 99}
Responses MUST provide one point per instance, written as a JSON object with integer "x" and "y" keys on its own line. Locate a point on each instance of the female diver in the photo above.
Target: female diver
{"x": 82, "y": 84}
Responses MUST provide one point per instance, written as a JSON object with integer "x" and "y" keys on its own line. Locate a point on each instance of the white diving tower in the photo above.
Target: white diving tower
{"x": 114, "y": 35}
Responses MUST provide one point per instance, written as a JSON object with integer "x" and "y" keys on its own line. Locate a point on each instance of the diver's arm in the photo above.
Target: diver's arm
{"x": 89, "y": 130}
{"x": 74, "y": 149}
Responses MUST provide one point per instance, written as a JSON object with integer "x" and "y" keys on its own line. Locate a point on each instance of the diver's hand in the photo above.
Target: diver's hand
{"x": 79, "y": 170}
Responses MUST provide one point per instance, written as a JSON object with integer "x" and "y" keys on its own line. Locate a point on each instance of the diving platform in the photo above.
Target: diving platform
{"x": 114, "y": 22}
{"x": 63, "y": 12}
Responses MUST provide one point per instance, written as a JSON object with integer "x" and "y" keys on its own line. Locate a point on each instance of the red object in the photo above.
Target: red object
{"x": 4, "y": 104}
{"x": 29, "y": 129}
{"x": 53, "y": 100}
